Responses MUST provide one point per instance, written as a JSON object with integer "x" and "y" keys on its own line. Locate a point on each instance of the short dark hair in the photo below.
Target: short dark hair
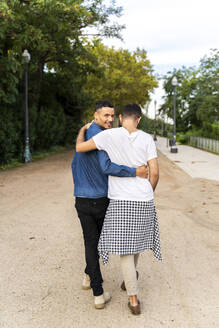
{"x": 132, "y": 110}
{"x": 103, "y": 103}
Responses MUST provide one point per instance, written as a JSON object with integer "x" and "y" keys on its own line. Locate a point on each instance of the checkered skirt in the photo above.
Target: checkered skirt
{"x": 129, "y": 227}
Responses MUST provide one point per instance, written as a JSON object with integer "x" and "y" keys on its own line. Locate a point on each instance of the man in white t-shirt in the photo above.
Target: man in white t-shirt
{"x": 130, "y": 224}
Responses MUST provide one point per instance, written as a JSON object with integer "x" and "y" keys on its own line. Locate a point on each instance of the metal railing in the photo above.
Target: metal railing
{"x": 205, "y": 143}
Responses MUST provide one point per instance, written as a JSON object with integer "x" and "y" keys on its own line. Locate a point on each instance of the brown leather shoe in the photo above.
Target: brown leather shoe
{"x": 123, "y": 283}
{"x": 136, "y": 310}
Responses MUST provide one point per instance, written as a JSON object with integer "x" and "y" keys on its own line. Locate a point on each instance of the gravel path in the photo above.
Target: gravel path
{"x": 42, "y": 254}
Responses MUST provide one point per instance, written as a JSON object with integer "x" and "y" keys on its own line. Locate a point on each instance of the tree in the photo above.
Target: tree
{"x": 185, "y": 101}
{"x": 123, "y": 77}
{"x": 51, "y": 30}
{"x": 197, "y": 93}
{"x": 208, "y": 88}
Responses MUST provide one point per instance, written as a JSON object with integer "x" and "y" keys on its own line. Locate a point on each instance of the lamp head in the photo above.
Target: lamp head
{"x": 26, "y": 56}
{"x": 174, "y": 81}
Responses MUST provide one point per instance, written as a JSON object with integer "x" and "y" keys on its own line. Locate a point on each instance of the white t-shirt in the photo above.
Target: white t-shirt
{"x": 131, "y": 149}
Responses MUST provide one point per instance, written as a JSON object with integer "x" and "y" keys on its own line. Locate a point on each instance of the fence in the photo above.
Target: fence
{"x": 205, "y": 143}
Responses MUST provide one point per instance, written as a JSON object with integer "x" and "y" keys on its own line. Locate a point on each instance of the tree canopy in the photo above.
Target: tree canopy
{"x": 70, "y": 69}
{"x": 51, "y": 30}
{"x": 197, "y": 93}
{"x": 123, "y": 76}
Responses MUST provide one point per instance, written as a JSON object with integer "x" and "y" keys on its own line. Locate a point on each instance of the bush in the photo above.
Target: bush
{"x": 182, "y": 138}
{"x": 71, "y": 130}
{"x": 146, "y": 124}
{"x": 47, "y": 128}
{"x": 50, "y": 127}
{"x": 208, "y": 130}
{"x": 10, "y": 132}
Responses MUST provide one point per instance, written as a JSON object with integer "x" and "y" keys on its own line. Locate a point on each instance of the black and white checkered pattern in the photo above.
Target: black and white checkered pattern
{"x": 129, "y": 227}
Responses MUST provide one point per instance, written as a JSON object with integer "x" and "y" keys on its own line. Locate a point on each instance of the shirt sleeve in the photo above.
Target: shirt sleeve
{"x": 101, "y": 140}
{"x": 151, "y": 149}
{"x": 113, "y": 169}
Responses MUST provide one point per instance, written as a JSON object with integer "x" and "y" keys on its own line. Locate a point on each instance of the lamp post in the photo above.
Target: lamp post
{"x": 173, "y": 148}
{"x": 155, "y": 133}
{"x": 167, "y": 144}
{"x": 27, "y": 154}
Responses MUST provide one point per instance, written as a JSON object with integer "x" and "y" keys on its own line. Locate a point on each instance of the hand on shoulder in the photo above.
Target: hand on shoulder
{"x": 86, "y": 126}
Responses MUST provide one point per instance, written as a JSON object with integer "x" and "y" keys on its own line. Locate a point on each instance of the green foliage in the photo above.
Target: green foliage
{"x": 71, "y": 130}
{"x": 185, "y": 102}
{"x": 146, "y": 124}
{"x": 50, "y": 127}
{"x": 208, "y": 88}
{"x": 121, "y": 76}
{"x": 183, "y": 138}
{"x": 208, "y": 130}
{"x": 9, "y": 136}
{"x": 66, "y": 74}
{"x": 197, "y": 95}
{"x": 52, "y": 31}
{"x": 35, "y": 156}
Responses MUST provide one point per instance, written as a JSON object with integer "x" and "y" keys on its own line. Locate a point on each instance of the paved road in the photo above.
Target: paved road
{"x": 42, "y": 254}
{"x": 196, "y": 162}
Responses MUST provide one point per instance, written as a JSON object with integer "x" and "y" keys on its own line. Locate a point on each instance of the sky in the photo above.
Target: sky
{"x": 174, "y": 33}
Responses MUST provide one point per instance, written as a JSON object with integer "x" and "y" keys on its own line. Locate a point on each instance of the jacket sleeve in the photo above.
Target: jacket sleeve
{"x": 113, "y": 169}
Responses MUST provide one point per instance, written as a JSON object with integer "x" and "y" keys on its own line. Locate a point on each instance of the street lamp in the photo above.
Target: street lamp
{"x": 27, "y": 154}
{"x": 155, "y": 133}
{"x": 173, "y": 148}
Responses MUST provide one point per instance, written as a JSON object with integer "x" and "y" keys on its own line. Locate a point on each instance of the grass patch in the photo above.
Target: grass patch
{"x": 45, "y": 153}
{"x": 12, "y": 164}
{"x": 36, "y": 156}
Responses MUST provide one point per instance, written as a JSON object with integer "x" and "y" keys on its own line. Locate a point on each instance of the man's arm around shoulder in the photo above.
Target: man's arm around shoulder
{"x": 81, "y": 145}
{"x": 84, "y": 146}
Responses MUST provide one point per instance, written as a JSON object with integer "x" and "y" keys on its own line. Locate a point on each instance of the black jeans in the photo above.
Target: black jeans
{"x": 91, "y": 212}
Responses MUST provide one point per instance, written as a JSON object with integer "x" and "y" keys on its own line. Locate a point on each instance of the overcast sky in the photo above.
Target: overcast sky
{"x": 173, "y": 32}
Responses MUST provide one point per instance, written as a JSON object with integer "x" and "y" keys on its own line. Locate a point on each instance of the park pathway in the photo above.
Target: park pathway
{"x": 42, "y": 254}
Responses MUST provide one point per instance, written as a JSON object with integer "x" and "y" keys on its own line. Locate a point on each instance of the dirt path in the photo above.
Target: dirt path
{"x": 42, "y": 254}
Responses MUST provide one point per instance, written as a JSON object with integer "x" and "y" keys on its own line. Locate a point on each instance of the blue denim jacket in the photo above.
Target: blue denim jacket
{"x": 90, "y": 170}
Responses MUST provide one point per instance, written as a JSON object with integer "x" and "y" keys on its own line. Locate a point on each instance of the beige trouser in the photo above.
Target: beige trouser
{"x": 128, "y": 265}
